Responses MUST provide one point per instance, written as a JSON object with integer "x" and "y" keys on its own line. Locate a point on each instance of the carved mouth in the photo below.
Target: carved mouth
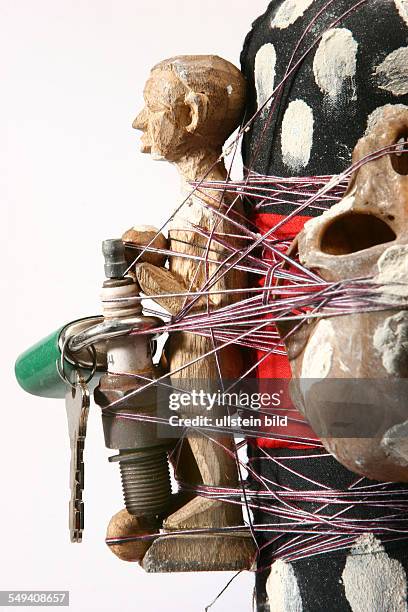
{"x": 145, "y": 145}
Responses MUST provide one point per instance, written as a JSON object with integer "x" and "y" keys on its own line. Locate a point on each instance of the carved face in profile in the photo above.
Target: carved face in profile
{"x": 165, "y": 117}
{"x": 191, "y": 102}
{"x": 358, "y": 400}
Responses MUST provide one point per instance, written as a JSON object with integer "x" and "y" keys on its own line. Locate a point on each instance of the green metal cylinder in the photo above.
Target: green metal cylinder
{"x": 36, "y": 369}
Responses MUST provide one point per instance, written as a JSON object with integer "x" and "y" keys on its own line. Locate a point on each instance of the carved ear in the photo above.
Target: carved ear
{"x": 198, "y": 103}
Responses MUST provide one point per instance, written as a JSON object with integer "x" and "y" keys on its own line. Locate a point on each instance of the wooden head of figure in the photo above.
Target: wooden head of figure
{"x": 192, "y": 104}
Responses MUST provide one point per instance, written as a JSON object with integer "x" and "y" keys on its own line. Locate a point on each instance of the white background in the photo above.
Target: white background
{"x": 71, "y": 175}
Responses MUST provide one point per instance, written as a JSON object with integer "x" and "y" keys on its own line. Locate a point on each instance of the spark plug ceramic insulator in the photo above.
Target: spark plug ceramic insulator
{"x": 142, "y": 454}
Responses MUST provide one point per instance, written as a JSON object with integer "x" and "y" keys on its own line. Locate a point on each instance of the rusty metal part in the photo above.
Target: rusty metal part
{"x": 143, "y": 456}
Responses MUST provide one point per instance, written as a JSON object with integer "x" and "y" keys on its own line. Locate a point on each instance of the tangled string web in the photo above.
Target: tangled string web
{"x": 252, "y": 317}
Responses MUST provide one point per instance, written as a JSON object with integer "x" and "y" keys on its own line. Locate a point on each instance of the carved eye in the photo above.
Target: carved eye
{"x": 355, "y": 232}
{"x": 399, "y": 160}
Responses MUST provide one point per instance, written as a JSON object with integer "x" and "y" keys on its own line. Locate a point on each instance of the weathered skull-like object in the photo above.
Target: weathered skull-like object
{"x": 350, "y": 372}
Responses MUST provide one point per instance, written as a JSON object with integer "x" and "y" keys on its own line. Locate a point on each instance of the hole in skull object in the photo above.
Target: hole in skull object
{"x": 399, "y": 159}
{"x": 355, "y": 232}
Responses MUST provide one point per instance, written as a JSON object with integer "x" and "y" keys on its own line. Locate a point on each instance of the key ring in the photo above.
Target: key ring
{"x": 61, "y": 364}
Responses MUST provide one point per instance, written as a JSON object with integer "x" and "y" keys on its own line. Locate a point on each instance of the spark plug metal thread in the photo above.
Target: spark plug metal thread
{"x": 142, "y": 455}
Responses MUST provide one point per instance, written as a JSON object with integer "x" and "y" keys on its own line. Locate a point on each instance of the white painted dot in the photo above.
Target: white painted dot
{"x": 282, "y": 588}
{"x": 289, "y": 12}
{"x": 373, "y": 580}
{"x": 335, "y": 63}
{"x": 402, "y": 6}
{"x": 392, "y": 73}
{"x": 265, "y": 63}
{"x": 297, "y": 135}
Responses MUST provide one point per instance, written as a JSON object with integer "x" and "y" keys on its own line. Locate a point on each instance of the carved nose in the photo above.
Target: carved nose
{"x": 141, "y": 121}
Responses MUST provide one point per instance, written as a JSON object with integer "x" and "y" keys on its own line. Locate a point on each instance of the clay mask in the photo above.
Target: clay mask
{"x": 350, "y": 372}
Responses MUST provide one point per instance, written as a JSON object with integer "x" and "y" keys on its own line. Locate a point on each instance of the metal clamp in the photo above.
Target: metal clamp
{"x": 109, "y": 329}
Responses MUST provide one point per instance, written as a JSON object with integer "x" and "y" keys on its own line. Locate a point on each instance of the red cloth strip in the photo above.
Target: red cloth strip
{"x": 277, "y": 366}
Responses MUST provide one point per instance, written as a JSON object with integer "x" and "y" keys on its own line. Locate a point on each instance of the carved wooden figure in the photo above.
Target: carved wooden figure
{"x": 192, "y": 105}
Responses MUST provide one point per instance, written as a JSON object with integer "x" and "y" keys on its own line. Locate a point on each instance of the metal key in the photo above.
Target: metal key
{"x": 77, "y": 406}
